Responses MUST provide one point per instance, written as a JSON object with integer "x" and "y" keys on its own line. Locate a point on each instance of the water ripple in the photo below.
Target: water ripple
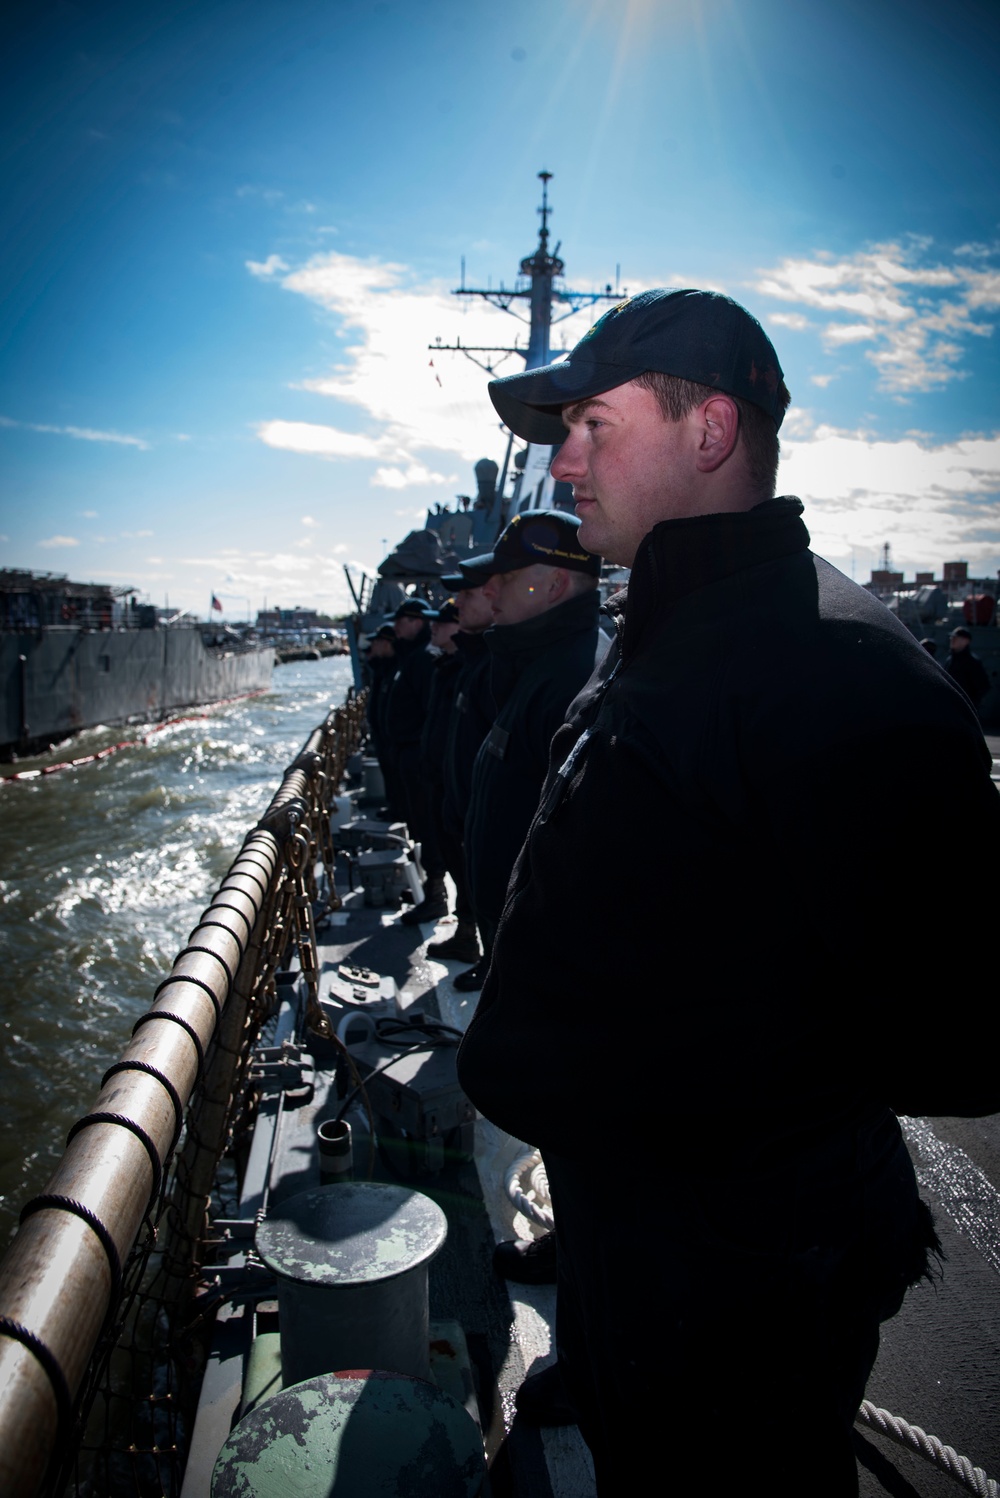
{"x": 105, "y": 871}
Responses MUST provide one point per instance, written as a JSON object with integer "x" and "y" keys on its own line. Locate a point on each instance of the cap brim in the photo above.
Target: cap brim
{"x": 531, "y": 404}
{"x": 478, "y": 568}
{"x": 455, "y": 582}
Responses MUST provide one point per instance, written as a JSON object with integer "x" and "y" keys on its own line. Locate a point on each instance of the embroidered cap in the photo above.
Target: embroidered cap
{"x": 548, "y": 537}
{"x": 695, "y": 335}
{"x": 413, "y": 608}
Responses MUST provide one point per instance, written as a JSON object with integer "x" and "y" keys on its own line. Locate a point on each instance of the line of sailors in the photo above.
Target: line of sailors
{"x": 464, "y": 703}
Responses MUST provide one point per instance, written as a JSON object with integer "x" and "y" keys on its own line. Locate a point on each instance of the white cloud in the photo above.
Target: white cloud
{"x": 265, "y": 268}
{"x": 314, "y": 577}
{"x": 419, "y": 399}
{"x": 915, "y": 314}
{"x": 414, "y": 473}
{"x": 855, "y": 332}
{"x": 933, "y": 502}
{"x": 822, "y": 380}
{"x": 318, "y": 441}
{"x": 308, "y": 520}
{"x": 87, "y": 514}
{"x": 85, "y": 434}
{"x": 60, "y": 541}
{"x": 793, "y": 320}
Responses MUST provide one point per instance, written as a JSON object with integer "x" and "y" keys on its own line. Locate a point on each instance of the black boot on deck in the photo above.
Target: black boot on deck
{"x": 542, "y": 1399}
{"x": 528, "y": 1261}
{"x": 431, "y": 908}
{"x": 461, "y": 946}
{"x": 473, "y": 979}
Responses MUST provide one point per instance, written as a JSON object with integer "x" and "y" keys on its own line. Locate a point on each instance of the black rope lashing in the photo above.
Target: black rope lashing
{"x": 53, "y": 1369}
{"x": 124, "y": 1122}
{"x": 254, "y": 863}
{"x": 239, "y": 940}
{"x": 223, "y": 905}
{"x": 98, "y": 1227}
{"x": 185, "y": 1025}
{"x": 198, "y": 983}
{"x": 260, "y": 885}
{"x": 151, "y": 1071}
{"x": 209, "y": 953}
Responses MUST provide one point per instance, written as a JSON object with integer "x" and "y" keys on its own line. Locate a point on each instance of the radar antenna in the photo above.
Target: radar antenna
{"x": 537, "y": 285}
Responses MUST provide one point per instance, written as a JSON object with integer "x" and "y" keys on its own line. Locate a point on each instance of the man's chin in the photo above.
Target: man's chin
{"x": 589, "y": 532}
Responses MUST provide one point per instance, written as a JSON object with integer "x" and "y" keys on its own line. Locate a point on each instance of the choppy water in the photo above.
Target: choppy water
{"x": 103, "y": 873}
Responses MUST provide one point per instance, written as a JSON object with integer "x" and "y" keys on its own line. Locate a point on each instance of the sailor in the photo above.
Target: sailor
{"x": 470, "y": 721}
{"x": 444, "y": 682}
{"x": 541, "y": 585}
{"x": 406, "y": 708}
{"x": 381, "y": 660}
{"x": 964, "y": 667}
{"x": 688, "y": 1008}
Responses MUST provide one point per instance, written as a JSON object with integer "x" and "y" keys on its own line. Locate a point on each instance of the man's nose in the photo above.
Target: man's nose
{"x": 568, "y": 461}
{"x": 491, "y": 588}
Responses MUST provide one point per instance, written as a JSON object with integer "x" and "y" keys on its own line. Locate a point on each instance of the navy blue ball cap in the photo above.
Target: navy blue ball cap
{"x": 695, "y": 335}
{"x": 548, "y": 537}
{"x": 446, "y": 614}
{"x": 413, "y": 608}
{"x": 456, "y": 581}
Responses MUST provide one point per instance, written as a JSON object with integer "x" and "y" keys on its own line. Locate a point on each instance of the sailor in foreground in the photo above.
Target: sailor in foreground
{"x": 688, "y": 1008}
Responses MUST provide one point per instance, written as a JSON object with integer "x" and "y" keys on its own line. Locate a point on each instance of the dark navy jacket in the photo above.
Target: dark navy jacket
{"x": 538, "y": 666}
{"x": 471, "y": 720}
{"x": 716, "y": 918}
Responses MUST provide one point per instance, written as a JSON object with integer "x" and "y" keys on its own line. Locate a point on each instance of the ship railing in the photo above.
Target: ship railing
{"x": 100, "y": 1290}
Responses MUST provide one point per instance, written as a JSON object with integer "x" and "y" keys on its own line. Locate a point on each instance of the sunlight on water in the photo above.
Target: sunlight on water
{"x": 105, "y": 870}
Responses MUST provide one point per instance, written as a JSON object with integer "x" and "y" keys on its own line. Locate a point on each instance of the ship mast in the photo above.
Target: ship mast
{"x": 537, "y": 285}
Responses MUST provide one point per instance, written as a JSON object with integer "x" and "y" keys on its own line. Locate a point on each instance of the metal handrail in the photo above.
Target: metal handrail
{"x": 61, "y": 1277}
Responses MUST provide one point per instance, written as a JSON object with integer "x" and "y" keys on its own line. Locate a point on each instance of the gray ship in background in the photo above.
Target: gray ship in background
{"x": 75, "y": 655}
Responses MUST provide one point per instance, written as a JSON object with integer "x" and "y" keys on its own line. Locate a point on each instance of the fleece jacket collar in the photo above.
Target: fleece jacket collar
{"x": 678, "y": 557}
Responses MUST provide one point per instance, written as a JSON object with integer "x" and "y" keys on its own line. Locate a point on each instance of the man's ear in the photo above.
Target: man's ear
{"x": 559, "y": 584}
{"x": 718, "y": 430}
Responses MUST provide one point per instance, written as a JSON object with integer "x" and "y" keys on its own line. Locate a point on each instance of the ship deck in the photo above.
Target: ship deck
{"x": 939, "y": 1364}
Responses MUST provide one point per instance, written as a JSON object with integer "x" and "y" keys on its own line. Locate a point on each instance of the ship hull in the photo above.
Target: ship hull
{"x": 58, "y": 681}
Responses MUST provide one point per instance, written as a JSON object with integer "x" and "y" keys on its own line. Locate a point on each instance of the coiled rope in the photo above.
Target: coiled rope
{"x": 535, "y": 1203}
{"x": 533, "y": 1200}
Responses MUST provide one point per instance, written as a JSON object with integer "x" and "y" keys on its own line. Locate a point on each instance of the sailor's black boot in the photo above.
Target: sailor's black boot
{"x": 461, "y": 946}
{"x": 431, "y": 908}
{"x": 542, "y": 1399}
{"x": 529, "y": 1261}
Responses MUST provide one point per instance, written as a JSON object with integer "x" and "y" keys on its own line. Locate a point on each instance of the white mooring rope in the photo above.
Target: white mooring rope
{"x": 535, "y": 1203}
{"x": 946, "y": 1458}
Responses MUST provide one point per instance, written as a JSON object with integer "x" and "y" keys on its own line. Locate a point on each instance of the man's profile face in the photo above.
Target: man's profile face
{"x": 408, "y": 626}
{"x": 627, "y": 466}
{"x": 520, "y": 595}
{"x": 475, "y": 612}
{"x": 443, "y": 632}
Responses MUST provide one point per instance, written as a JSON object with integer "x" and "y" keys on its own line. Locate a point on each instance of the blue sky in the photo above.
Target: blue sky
{"x": 231, "y": 230}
